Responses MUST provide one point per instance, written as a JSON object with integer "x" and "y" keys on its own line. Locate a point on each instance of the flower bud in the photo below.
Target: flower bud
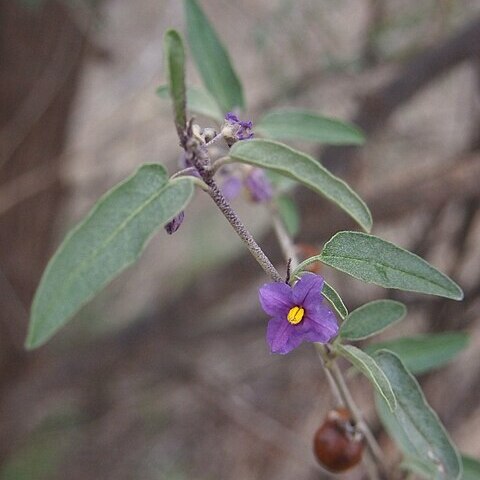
{"x": 234, "y": 129}
{"x": 337, "y": 444}
{"x": 209, "y": 134}
{"x": 174, "y": 224}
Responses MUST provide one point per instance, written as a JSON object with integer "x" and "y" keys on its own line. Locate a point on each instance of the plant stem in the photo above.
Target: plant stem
{"x": 376, "y": 454}
{"x": 284, "y": 239}
{"x": 185, "y": 171}
{"x": 200, "y": 160}
{"x": 350, "y": 402}
{"x": 374, "y": 461}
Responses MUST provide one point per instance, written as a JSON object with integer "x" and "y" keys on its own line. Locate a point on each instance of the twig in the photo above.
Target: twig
{"x": 200, "y": 159}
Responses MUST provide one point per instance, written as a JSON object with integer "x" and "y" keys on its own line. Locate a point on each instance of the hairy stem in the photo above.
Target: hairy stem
{"x": 200, "y": 160}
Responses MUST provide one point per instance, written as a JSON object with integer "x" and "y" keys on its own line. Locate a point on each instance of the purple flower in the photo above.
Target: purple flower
{"x": 298, "y": 314}
{"x": 234, "y": 129}
{"x": 174, "y": 224}
{"x": 258, "y": 185}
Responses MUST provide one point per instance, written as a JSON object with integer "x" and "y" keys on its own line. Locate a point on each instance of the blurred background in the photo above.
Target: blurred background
{"x": 166, "y": 374}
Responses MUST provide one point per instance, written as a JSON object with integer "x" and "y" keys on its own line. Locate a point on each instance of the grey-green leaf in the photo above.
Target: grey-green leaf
{"x": 109, "y": 239}
{"x": 393, "y": 427}
{"x": 471, "y": 468}
{"x": 306, "y": 170}
{"x": 289, "y": 214}
{"x": 420, "y": 467}
{"x": 198, "y": 101}
{"x": 304, "y": 125}
{"x": 334, "y": 298}
{"x": 372, "y": 318}
{"x": 175, "y": 68}
{"x": 212, "y": 59}
{"x": 423, "y": 353}
{"x": 369, "y": 367}
{"x": 377, "y": 261}
{"x": 417, "y": 428}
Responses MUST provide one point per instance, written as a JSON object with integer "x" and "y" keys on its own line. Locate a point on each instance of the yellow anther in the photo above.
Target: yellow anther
{"x": 295, "y": 315}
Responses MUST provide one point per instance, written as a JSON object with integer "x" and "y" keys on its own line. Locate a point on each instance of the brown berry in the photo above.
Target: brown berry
{"x": 337, "y": 444}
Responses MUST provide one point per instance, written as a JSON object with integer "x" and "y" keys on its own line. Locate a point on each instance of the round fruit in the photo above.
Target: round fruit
{"x": 337, "y": 444}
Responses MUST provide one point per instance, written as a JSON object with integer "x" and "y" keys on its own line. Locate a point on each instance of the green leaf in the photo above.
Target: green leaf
{"x": 280, "y": 183}
{"x": 471, "y": 468}
{"x": 306, "y": 170}
{"x": 369, "y": 367}
{"x": 289, "y": 214}
{"x": 420, "y": 467}
{"x": 423, "y": 353}
{"x": 377, "y": 261}
{"x": 110, "y": 238}
{"x": 334, "y": 298}
{"x": 212, "y": 59}
{"x": 372, "y": 318}
{"x": 394, "y": 429}
{"x": 416, "y": 427}
{"x": 198, "y": 101}
{"x": 303, "y": 125}
{"x": 175, "y": 66}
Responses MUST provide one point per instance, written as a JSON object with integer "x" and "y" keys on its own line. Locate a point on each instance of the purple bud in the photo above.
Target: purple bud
{"x": 236, "y": 129}
{"x": 244, "y": 132}
{"x": 174, "y": 224}
{"x": 231, "y": 117}
{"x": 258, "y": 185}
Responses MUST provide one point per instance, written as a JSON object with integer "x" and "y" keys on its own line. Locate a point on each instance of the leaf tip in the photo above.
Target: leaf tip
{"x": 368, "y": 225}
{"x": 33, "y": 341}
{"x": 459, "y": 295}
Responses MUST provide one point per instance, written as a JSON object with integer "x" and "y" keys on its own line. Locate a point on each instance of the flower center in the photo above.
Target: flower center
{"x": 295, "y": 315}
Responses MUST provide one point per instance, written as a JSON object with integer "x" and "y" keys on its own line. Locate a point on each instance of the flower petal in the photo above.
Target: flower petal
{"x": 281, "y": 336}
{"x": 320, "y": 325}
{"x": 276, "y": 298}
{"x": 307, "y": 291}
{"x": 258, "y": 185}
